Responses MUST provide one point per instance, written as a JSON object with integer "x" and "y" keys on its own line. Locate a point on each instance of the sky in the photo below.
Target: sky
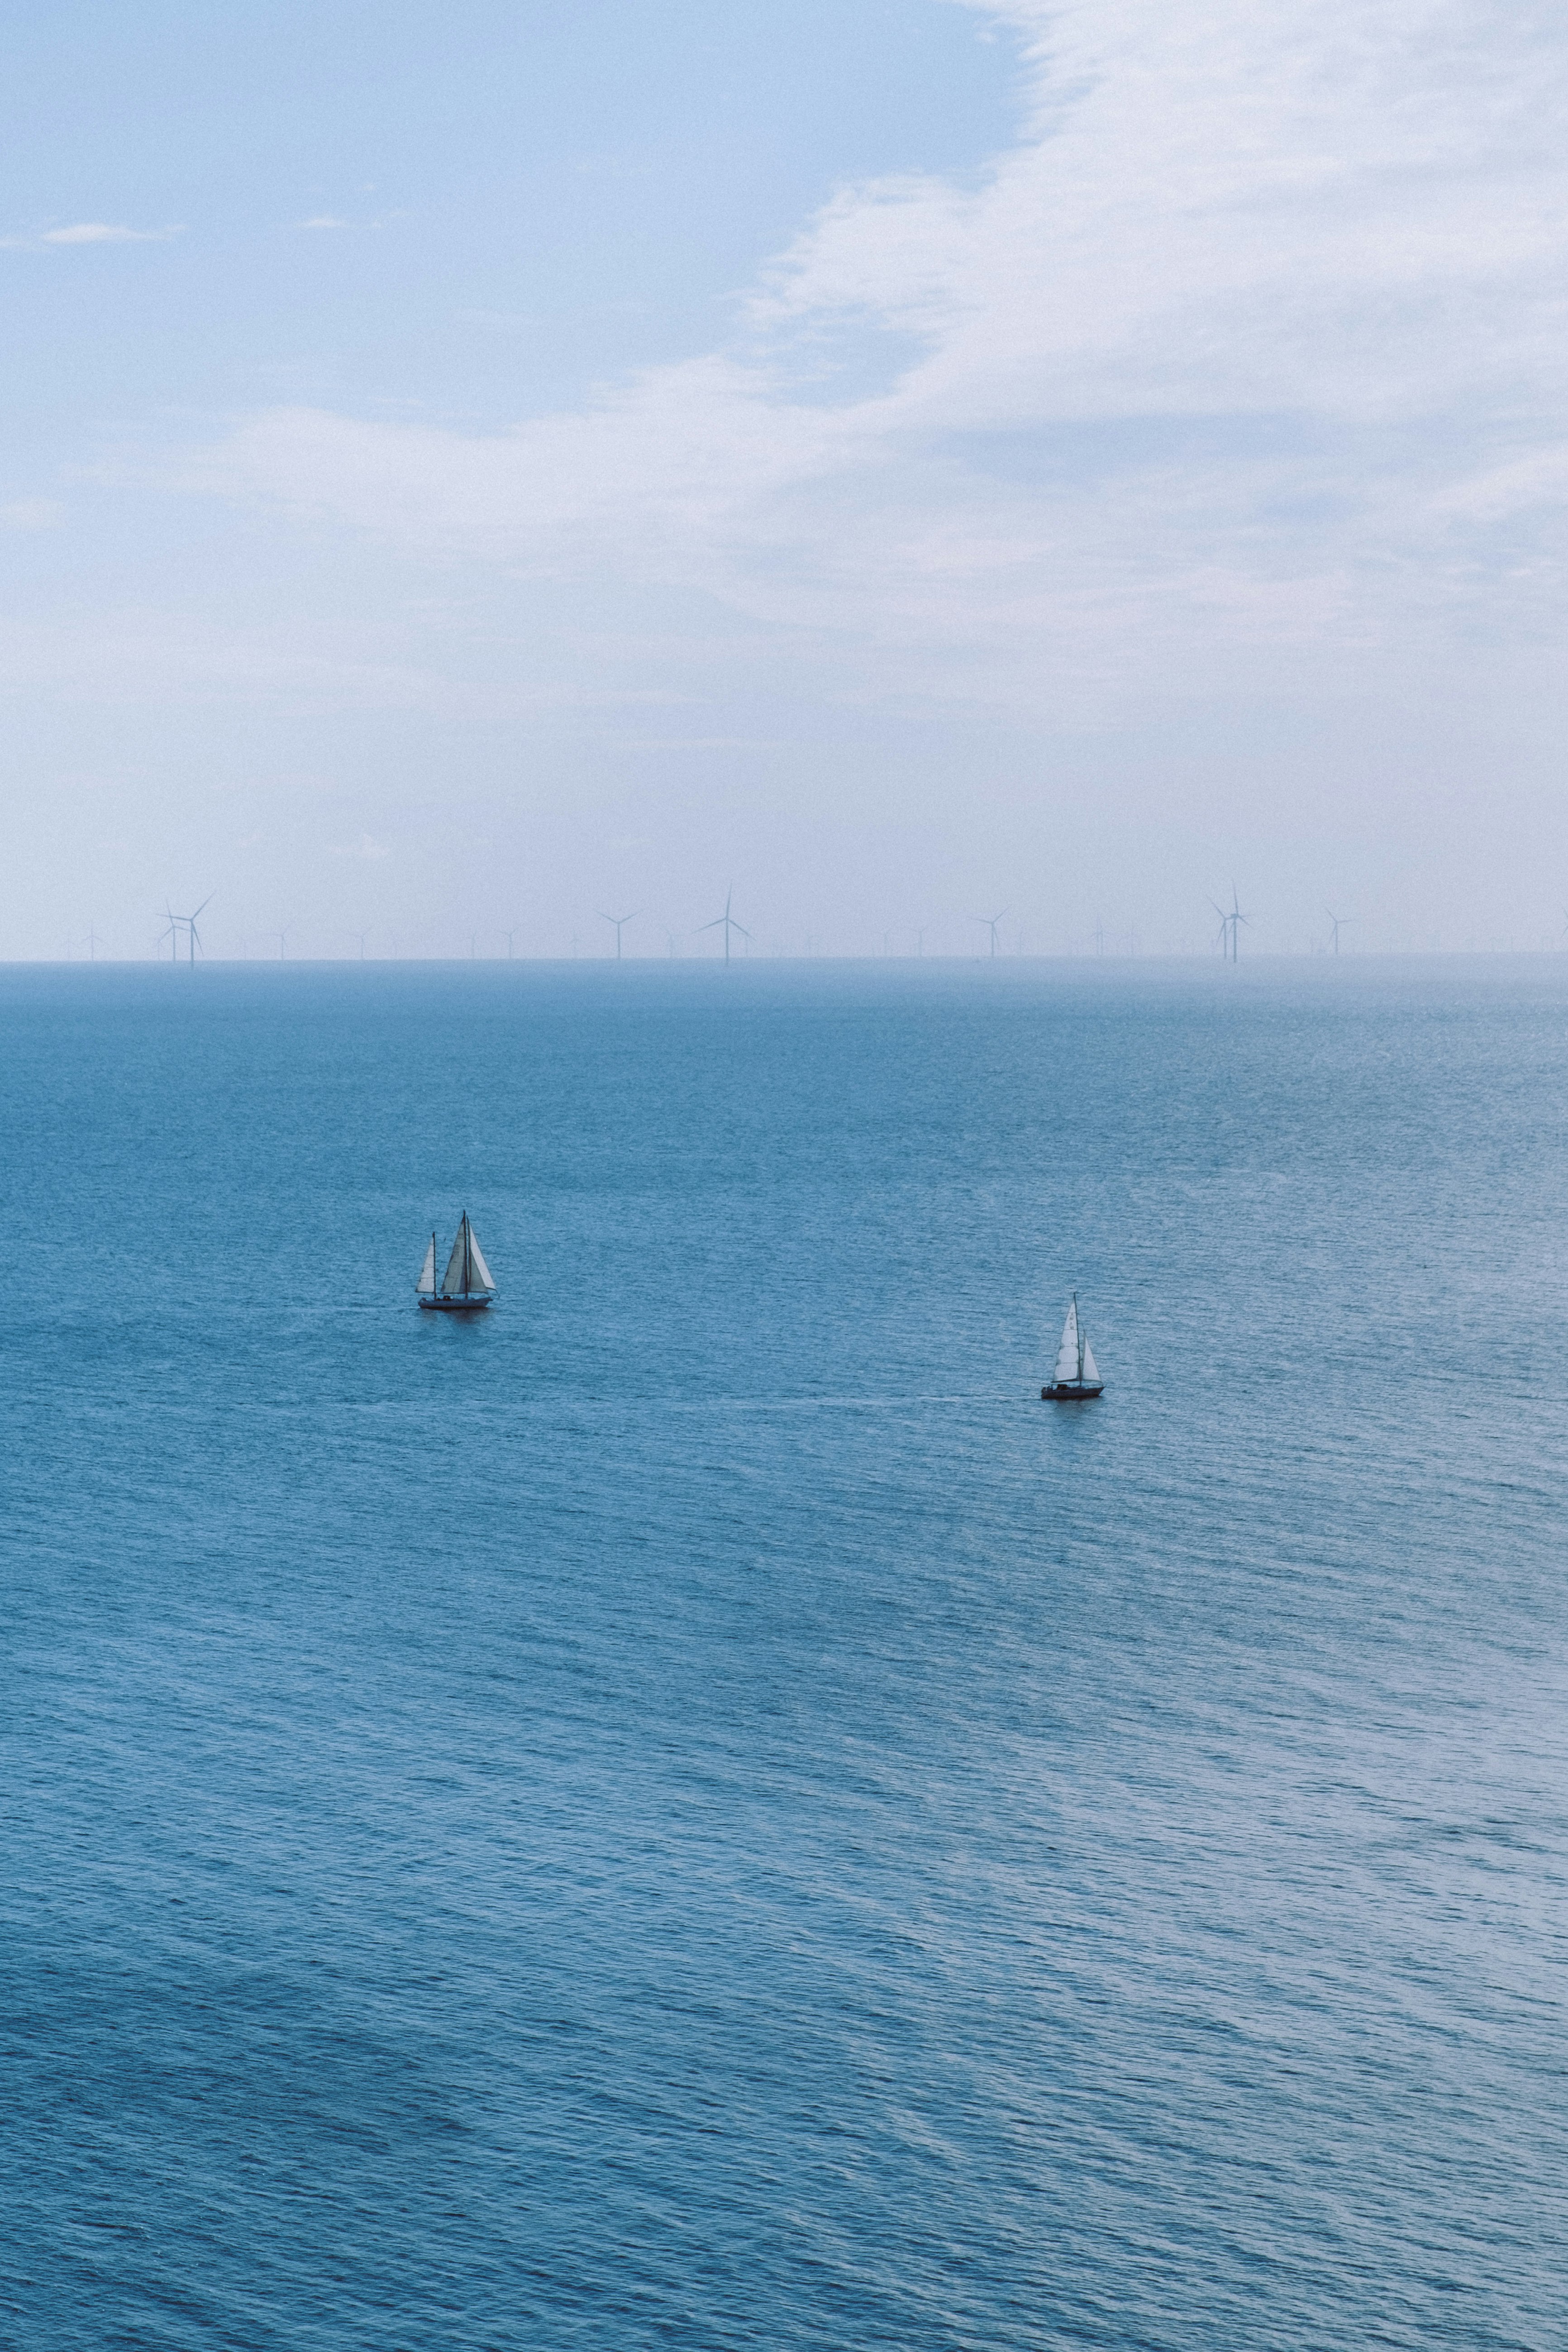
{"x": 469, "y": 471}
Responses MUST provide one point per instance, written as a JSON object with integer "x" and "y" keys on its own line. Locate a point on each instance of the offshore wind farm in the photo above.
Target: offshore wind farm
{"x": 1291, "y": 932}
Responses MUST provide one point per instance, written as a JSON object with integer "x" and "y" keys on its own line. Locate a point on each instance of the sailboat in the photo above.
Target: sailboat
{"x": 467, "y": 1281}
{"x": 1076, "y": 1375}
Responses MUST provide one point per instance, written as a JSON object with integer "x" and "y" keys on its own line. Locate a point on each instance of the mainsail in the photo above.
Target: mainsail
{"x": 1067, "y": 1354}
{"x": 426, "y": 1286}
{"x": 465, "y": 1269}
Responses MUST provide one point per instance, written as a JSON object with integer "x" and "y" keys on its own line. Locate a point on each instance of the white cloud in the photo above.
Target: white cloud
{"x": 322, "y": 220}
{"x": 1249, "y": 350}
{"x": 143, "y": 657}
{"x": 32, "y": 514}
{"x": 365, "y": 847}
{"x": 105, "y": 233}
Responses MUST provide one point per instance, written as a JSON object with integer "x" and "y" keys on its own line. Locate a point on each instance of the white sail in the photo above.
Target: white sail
{"x": 452, "y": 1282}
{"x": 1067, "y": 1354}
{"x": 1090, "y": 1370}
{"x": 467, "y": 1274}
{"x": 426, "y": 1286}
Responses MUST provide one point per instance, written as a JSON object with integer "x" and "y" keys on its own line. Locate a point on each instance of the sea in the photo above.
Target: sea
{"x": 690, "y": 1810}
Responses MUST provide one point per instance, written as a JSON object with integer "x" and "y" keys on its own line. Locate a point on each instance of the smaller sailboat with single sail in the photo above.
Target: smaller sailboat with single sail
{"x": 467, "y": 1282}
{"x": 1077, "y": 1376}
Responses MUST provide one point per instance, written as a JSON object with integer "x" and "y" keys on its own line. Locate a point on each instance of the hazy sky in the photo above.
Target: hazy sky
{"x": 471, "y": 467}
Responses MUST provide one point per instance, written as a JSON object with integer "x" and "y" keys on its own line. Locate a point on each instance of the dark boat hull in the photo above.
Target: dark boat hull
{"x": 455, "y": 1306}
{"x": 1072, "y": 1392}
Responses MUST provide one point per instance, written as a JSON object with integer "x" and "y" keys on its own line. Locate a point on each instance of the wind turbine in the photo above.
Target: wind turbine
{"x": 990, "y": 922}
{"x": 172, "y": 934}
{"x": 618, "y": 924}
{"x": 1338, "y": 921}
{"x": 727, "y": 923}
{"x": 1230, "y": 925}
{"x": 280, "y": 937}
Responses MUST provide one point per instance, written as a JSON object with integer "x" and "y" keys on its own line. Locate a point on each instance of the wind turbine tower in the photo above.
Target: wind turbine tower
{"x": 727, "y": 923}
{"x": 1237, "y": 920}
{"x": 193, "y": 935}
{"x": 990, "y": 922}
{"x": 1230, "y": 922}
{"x": 618, "y": 924}
{"x": 1339, "y": 922}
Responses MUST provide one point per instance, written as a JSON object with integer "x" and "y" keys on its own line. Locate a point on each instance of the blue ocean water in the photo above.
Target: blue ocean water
{"x": 692, "y": 1810}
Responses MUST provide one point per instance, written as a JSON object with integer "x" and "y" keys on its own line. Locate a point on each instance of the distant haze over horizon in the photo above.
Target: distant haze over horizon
{"x": 469, "y": 471}
{"x": 778, "y": 951}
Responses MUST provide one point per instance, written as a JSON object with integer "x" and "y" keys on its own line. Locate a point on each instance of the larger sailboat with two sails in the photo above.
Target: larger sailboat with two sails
{"x": 1077, "y": 1376}
{"x": 467, "y": 1282}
